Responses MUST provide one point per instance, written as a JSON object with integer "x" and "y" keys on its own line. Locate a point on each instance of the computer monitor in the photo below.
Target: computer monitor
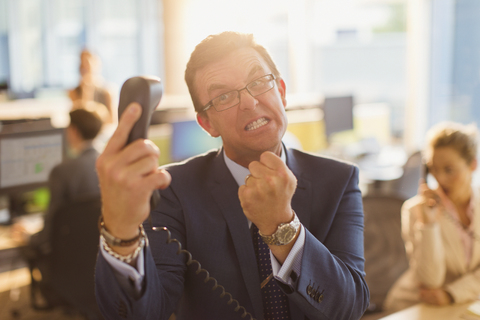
{"x": 338, "y": 114}
{"x": 26, "y": 159}
{"x": 188, "y": 140}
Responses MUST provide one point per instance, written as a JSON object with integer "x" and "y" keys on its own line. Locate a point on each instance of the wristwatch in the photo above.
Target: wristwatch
{"x": 285, "y": 233}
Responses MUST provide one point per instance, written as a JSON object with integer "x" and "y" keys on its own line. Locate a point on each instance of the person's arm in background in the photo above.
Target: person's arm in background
{"x": 430, "y": 266}
{"x": 466, "y": 288}
{"x": 431, "y": 260}
{"x": 424, "y": 245}
{"x": 108, "y": 103}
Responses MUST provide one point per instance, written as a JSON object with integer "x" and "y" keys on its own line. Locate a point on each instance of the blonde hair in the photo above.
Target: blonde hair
{"x": 460, "y": 137}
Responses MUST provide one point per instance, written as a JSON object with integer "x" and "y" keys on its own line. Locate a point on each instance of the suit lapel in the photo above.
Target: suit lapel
{"x": 301, "y": 203}
{"x": 225, "y": 193}
{"x": 301, "y": 199}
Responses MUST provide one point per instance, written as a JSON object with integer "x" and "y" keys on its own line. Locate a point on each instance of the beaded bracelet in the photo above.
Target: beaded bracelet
{"x": 128, "y": 258}
{"x": 114, "y": 241}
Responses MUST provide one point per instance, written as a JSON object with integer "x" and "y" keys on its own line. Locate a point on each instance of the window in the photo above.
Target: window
{"x": 323, "y": 47}
{"x": 4, "y": 66}
{"x": 43, "y": 43}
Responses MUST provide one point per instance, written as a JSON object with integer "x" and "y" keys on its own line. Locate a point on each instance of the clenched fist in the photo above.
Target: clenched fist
{"x": 266, "y": 197}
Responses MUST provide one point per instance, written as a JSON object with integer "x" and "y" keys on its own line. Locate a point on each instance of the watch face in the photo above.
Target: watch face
{"x": 285, "y": 234}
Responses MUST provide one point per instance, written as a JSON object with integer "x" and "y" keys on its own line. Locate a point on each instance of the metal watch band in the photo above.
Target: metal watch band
{"x": 114, "y": 241}
{"x": 273, "y": 239}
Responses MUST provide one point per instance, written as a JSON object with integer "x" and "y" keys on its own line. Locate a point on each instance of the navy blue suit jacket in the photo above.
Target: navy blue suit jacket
{"x": 202, "y": 210}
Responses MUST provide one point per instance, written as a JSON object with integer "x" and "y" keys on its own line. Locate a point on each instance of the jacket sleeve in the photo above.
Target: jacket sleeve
{"x": 332, "y": 272}
{"x": 424, "y": 246}
{"x": 154, "y": 303}
{"x": 428, "y": 259}
{"x": 162, "y": 287}
{"x": 465, "y": 288}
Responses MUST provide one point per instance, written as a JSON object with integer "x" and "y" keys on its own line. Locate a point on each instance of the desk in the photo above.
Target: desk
{"x": 385, "y": 165}
{"x": 10, "y": 257}
{"x": 380, "y": 170}
{"x": 30, "y": 223}
{"x": 56, "y": 109}
{"x": 422, "y": 311}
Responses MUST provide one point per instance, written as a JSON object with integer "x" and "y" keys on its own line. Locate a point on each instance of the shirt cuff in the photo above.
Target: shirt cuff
{"x": 289, "y": 272}
{"x": 129, "y": 278}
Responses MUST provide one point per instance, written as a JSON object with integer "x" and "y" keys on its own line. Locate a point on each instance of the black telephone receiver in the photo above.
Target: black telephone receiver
{"x": 425, "y": 175}
{"x": 147, "y": 91}
{"x": 425, "y": 171}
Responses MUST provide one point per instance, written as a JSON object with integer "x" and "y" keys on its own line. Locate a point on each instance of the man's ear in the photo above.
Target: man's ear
{"x": 474, "y": 164}
{"x": 206, "y": 124}
{"x": 73, "y": 132}
{"x": 282, "y": 89}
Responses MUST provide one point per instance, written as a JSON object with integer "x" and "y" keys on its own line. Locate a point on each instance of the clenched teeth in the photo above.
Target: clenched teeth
{"x": 256, "y": 124}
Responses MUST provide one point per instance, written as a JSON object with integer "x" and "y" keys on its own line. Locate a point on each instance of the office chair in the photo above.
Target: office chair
{"x": 385, "y": 257}
{"x": 407, "y": 185}
{"x": 71, "y": 262}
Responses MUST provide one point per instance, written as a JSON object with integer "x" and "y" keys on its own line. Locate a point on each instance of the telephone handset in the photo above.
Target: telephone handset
{"x": 427, "y": 177}
{"x": 425, "y": 171}
{"x": 147, "y": 91}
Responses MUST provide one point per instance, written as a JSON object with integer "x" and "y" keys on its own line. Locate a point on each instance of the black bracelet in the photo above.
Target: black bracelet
{"x": 114, "y": 241}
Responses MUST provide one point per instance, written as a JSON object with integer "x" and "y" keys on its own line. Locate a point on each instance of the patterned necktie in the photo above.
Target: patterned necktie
{"x": 275, "y": 303}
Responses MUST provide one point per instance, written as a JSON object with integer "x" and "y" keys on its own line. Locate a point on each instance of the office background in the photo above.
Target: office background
{"x": 405, "y": 64}
{"x": 401, "y": 65}
{"x": 419, "y": 57}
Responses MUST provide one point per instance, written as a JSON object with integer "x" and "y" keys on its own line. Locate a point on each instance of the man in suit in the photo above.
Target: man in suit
{"x": 71, "y": 180}
{"x": 307, "y": 209}
{"x": 76, "y": 177}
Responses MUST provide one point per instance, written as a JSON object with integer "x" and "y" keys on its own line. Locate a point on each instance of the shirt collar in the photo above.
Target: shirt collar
{"x": 238, "y": 172}
{"x": 450, "y": 207}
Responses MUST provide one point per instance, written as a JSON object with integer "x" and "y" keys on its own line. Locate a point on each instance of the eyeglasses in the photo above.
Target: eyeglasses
{"x": 232, "y": 98}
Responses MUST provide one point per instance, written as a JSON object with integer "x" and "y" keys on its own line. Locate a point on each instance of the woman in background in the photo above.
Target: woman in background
{"x": 91, "y": 87}
{"x": 441, "y": 226}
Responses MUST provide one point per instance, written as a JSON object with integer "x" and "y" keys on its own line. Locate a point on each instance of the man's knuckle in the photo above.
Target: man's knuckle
{"x": 99, "y": 163}
{"x": 116, "y": 176}
{"x": 154, "y": 159}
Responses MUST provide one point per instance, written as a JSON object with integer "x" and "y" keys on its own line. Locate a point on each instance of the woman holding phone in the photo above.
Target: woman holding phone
{"x": 441, "y": 225}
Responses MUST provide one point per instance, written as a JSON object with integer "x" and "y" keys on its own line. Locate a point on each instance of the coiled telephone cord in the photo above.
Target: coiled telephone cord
{"x": 207, "y": 274}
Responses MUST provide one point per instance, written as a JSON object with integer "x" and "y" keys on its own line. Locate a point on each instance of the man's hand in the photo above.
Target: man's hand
{"x": 437, "y": 296}
{"x": 128, "y": 175}
{"x": 266, "y": 197}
